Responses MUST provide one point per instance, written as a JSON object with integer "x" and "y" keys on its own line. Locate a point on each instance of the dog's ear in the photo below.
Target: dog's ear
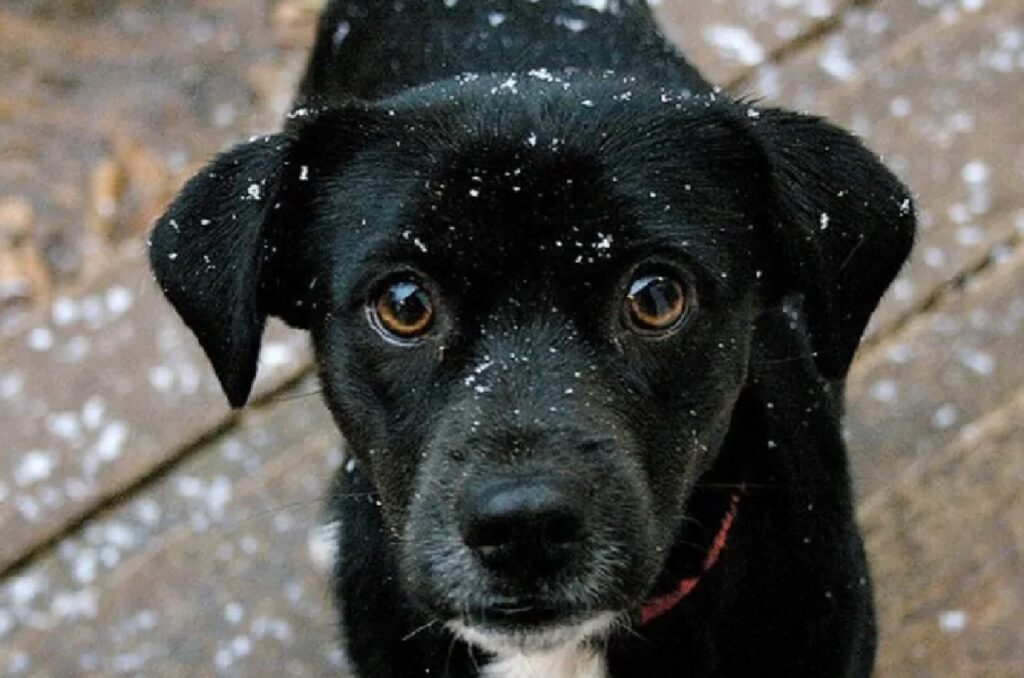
{"x": 216, "y": 254}
{"x": 842, "y": 227}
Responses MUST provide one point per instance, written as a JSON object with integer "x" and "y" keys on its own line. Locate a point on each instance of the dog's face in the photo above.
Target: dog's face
{"x": 532, "y": 303}
{"x": 535, "y": 341}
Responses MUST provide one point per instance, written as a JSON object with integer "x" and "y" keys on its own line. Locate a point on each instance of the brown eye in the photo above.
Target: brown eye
{"x": 404, "y": 310}
{"x": 655, "y": 304}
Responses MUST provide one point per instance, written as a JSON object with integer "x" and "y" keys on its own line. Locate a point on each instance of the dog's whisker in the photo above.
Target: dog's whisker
{"x": 691, "y": 521}
{"x": 451, "y": 650}
{"x": 412, "y": 634}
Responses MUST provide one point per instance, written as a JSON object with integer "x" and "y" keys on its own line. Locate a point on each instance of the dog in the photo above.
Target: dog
{"x": 584, "y": 322}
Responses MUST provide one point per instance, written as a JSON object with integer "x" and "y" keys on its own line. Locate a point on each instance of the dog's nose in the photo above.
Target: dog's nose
{"x": 528, "y": 527}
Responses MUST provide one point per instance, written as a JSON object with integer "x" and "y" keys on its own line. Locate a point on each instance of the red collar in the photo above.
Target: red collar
{"x": 659, "y": 605}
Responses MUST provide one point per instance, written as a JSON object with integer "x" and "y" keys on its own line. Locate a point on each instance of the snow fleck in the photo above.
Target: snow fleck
{"x": 161, "y": 378}
{"x": 572, "y": 23}
{"x": 736, "y": 43}
{"x": 241, "y": 646}
{"x": 249, "y": 544}
{"x": 119, "y": 300}
{"x": 11, "y": 385}
{"x": 495, "y": 19}
{"x": 64, "y": 425}
{"x": 604, "y": 243}
{"x": 541, "y": 74}
{"x": 172, "y": 256}
{"x": 975, "y": 172}
{"x": 223, "y": 659}
{"x": 255, "y": 192}
{"x": 596, "y": 5}
{"x": 899, "y": 354}
{"x": 903, "y": 289}
{"x": 934, "y": 257}
{"x": 75, "y": 605}
{"x": 24, "y": 589}
{"x": 18, "y": 663}
{"x": 835, "y": 60}
{"x": 189, "y": 487}
{"x": 900, "y": 107}
{"x": 945, "y": 417}
{"x": 304, "y": 173}
{"x": 218, "y": 495}
{"x": 419, "y": 245}
{"x": 474, "y": 193}
{"x": 85, "y": 566}
{"x": 40, "y": 339}
{"x": 979, "y": 362}
{"x": 884, "y": 391}
{"x": 233, "y": 613}
{"x": 64, "y": 311}
{"x": 340, "y": 33}
{"x": 148, "y": 511}
{"x": 824, "y": 221}
{"x": 111, "y": 441}
{"x": 35, "y": 467}
{"x": 952, "y": 621}
{"x": 276, "y": 354}
{"x": 93, "y": 412}
{"x": 969, "y": 236}
{"x": 509, "y": 85}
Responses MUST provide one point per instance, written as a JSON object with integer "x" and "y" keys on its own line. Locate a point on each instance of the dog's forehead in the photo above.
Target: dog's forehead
{"x": 555, "y": 205}
{"x": 539, "y": 183}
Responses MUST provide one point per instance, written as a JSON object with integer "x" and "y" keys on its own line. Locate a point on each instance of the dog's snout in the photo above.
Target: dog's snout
{"x": 526, "y": 526}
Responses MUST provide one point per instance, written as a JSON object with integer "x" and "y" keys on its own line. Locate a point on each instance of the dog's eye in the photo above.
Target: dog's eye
{"x": 403, "y": 310}
{"x": 655, "y": 304}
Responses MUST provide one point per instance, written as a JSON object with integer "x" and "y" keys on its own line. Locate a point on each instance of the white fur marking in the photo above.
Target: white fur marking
{"x": 569, "y": 662}
{"x": 323, "y": 545}
{"x": 563, "y": 652}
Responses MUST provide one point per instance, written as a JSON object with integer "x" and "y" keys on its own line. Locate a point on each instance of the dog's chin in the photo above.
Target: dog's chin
{"x": 538, "y": 638}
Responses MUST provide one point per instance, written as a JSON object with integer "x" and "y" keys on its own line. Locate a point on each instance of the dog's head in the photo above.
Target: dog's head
{"x": 533, "y": 305}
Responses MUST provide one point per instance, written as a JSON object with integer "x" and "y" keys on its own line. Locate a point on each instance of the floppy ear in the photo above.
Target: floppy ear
{"x": 843, "y": 225}
{"x": 215, "y": 254}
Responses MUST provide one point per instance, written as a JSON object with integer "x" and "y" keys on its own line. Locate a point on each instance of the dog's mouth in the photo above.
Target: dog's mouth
{"x": 518, "y": 615}
{"x": 507, "y": 631}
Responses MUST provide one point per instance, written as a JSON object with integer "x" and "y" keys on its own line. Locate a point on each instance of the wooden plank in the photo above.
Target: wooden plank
{"x": 936, "y": 106}
{"x": 947, "y": 549}
{"x": 102, "y": 392}
{"x": 727, "y": 39}
{"x": 136, "y": 92}
{"x": 912, "y": 395}
{"x": 207, "y": 572}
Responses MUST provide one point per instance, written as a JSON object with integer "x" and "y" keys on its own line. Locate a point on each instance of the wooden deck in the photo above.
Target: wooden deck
{"x": 146, "y": 530}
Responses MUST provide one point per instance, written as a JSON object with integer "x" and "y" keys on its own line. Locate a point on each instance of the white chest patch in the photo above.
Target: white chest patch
{"x": 569, "y": 662}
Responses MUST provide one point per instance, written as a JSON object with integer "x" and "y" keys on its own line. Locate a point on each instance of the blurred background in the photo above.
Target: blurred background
{"x": 147, "y": 530}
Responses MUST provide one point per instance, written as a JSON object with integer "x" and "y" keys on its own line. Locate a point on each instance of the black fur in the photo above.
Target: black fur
{"x": 522, "y": 160}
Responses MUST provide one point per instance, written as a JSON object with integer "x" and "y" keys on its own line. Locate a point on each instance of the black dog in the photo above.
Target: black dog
{"x": 585, "y": 323}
